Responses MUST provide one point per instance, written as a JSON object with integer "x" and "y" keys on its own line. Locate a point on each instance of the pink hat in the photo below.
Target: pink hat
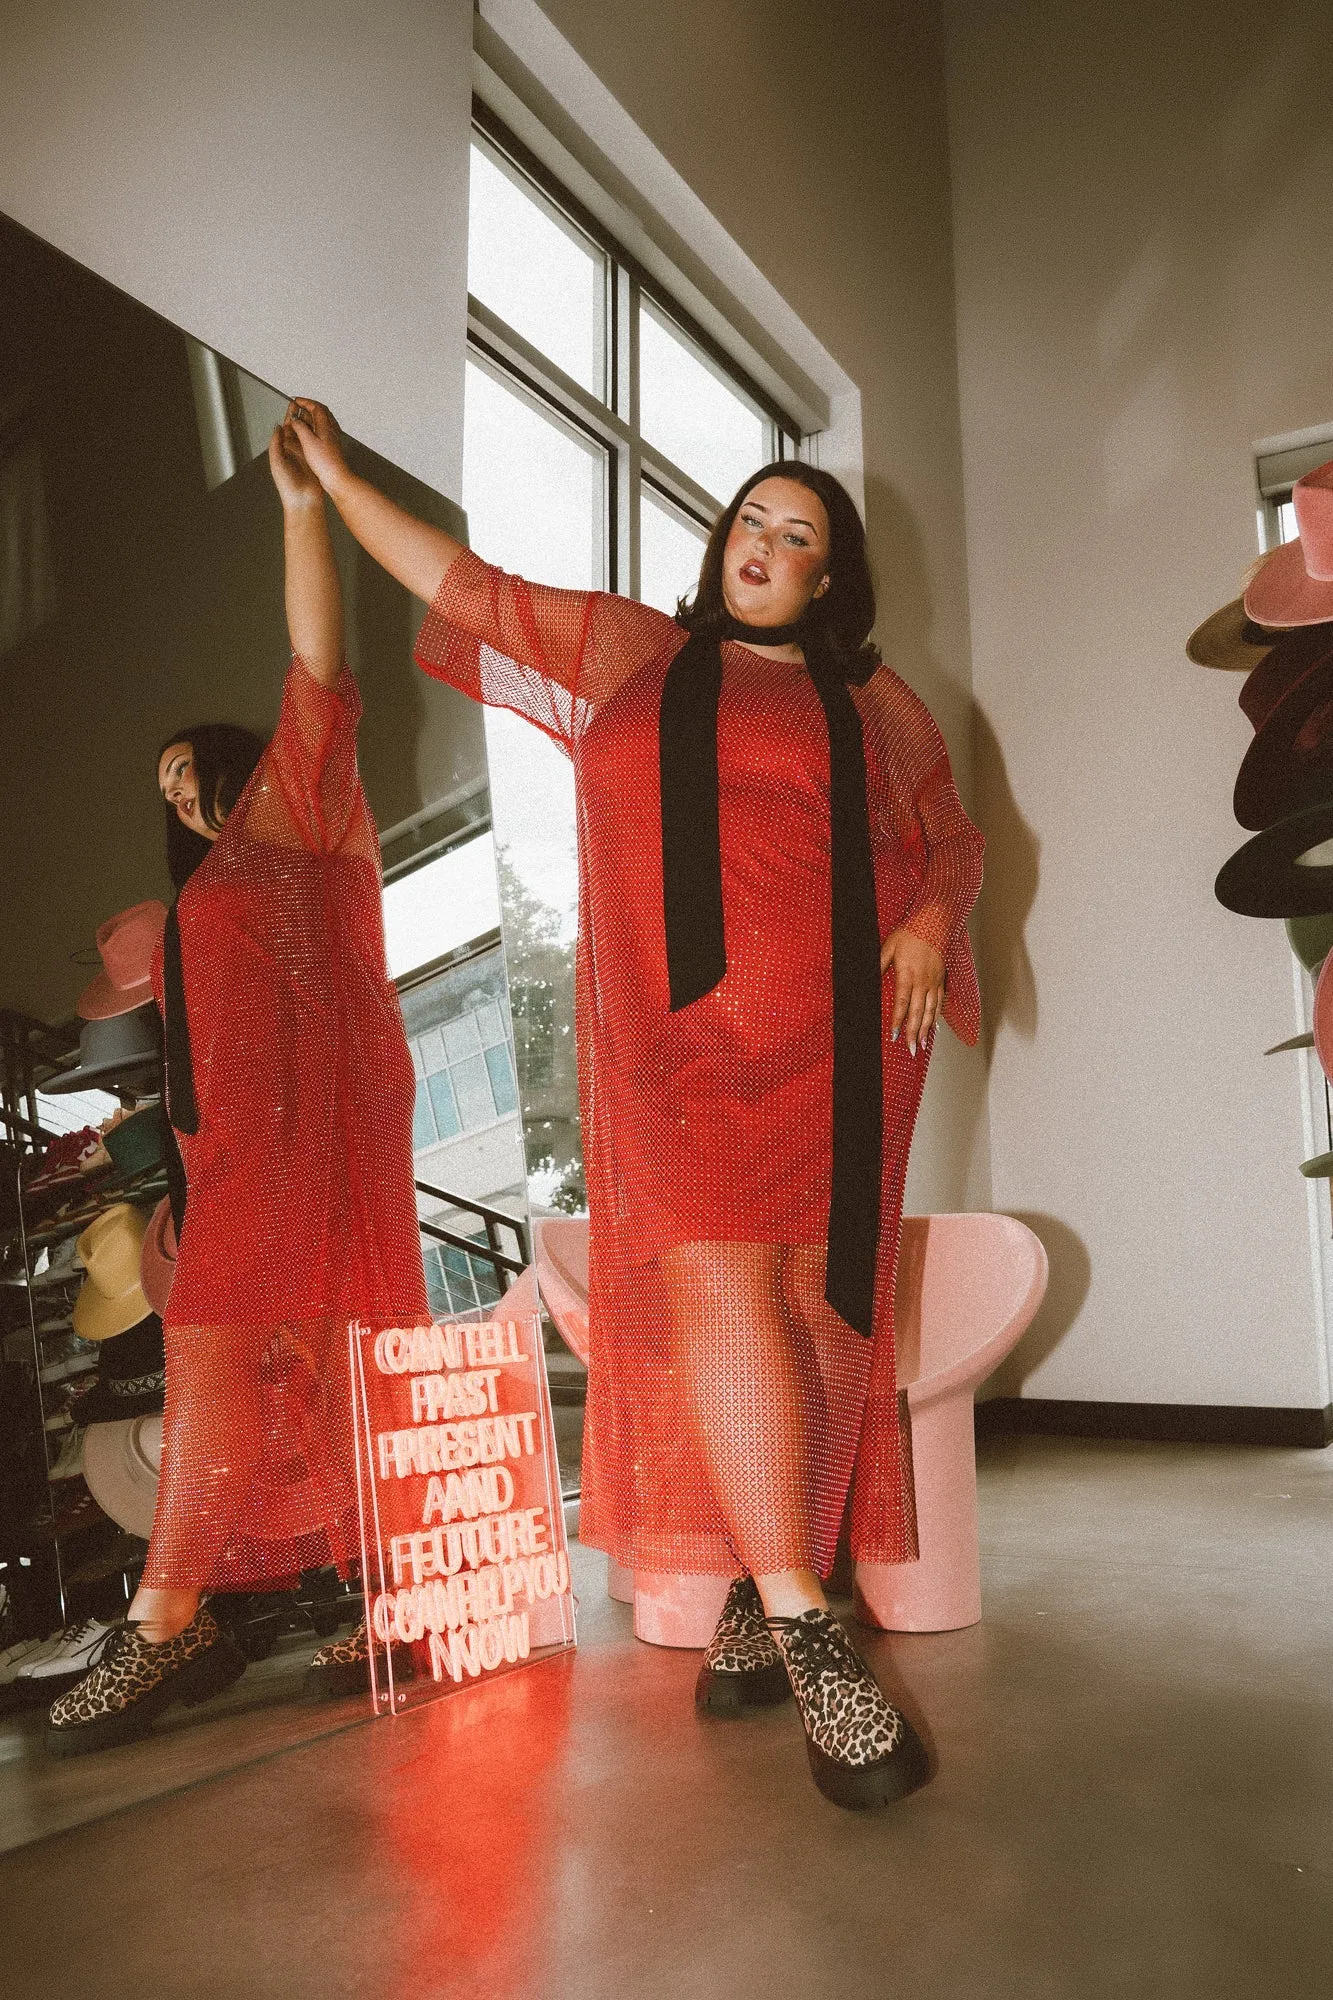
{"x": 1295, "y": 586}
{"x": 157, "y": 1259}
{"x": 127, "y": 944}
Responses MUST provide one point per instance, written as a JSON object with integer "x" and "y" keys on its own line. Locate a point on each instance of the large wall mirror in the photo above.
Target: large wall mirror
{"x": 141, "y": 590}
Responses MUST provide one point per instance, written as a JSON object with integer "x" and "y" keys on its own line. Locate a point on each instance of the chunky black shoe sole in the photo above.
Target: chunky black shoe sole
{"x": 208, "y": 1674}
{"x": 343, "y": 1677}
{"x": 734, "y": 1694}
{"x": 866, "y": 1787}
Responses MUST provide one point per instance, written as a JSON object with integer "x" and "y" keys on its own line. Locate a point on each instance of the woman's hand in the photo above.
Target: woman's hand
{"x": 292, "y": 474}
{"x": 918, "y": 973}
{"x": 321, "y": 441}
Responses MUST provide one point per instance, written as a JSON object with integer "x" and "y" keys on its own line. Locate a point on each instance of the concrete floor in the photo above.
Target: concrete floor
{"x": 1133, "y": 1797}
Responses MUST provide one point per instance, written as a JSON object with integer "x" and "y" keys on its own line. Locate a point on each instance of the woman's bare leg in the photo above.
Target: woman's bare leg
{"x": 749, "y": 1377}
{"x": 161, "y": 1614}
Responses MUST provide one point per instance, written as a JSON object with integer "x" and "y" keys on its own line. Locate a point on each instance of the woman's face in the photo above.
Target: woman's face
{"x": 180, "y": 788}
{"x": 776, "y": 557}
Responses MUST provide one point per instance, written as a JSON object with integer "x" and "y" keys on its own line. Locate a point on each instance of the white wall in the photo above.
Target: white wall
{"x": 1144, "y": 277}
{"x": 286, "y": 182}
{"x": 802, "y": 155}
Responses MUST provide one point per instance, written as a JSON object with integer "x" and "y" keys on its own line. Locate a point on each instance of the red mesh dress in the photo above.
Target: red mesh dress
{"x": 725, "y": 1411}
{"x": 300, "y": 1212}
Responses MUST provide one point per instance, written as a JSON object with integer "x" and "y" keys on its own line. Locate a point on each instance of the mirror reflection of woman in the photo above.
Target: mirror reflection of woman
{"x": 775, "y": 877}
{"x": 290, "y": 1090}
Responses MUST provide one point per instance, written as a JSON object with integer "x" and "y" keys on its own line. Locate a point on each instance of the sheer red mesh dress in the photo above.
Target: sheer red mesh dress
{"x": 300, "y": 1211}
{"x": 727, "y": 1404}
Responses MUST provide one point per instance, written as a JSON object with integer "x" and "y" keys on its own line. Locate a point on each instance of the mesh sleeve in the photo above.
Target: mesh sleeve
{"x": 916, "y": 803}
{"x": 308, "y": 789}
{"x": 551, "y": 655}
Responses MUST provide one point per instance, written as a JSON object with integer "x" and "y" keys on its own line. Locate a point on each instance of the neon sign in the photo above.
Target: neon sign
{"x": 464, "y": 1558}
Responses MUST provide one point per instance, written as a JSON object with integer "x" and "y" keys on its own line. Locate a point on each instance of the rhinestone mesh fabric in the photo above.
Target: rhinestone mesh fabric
{"x": 301, "y": 1212}
{"x": 727, "y": 1403}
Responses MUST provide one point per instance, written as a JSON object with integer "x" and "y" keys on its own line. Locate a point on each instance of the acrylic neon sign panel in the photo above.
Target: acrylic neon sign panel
{"x": 464, "y": 1558}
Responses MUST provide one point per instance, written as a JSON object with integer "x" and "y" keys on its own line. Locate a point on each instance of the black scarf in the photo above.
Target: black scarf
{"x": 695, "y": 935}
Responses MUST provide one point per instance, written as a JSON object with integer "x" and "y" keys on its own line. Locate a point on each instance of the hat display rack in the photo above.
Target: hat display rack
{"x": 78, "y": 1326}
{"x": 1279, "y": 634}
{"x": 87, "y": 1256}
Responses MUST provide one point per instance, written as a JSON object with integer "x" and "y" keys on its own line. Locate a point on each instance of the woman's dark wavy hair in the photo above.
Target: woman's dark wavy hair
{"x": 840, "y": 621}
{"x": 225, "y": 756}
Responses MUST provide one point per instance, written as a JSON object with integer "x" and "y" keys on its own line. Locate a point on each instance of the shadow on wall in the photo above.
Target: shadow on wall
{"x": 1013, "y": 858}
{"x": 1071, "y": 1275}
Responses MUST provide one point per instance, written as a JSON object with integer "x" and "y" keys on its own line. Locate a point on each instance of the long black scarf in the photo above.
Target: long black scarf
{"x": 695, "y": 931}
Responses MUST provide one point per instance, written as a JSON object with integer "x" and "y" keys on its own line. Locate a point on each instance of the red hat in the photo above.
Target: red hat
{"x": 127, "y": 943}
{"x": 157, "y": 1258}
{"x": 1295, "y": 587}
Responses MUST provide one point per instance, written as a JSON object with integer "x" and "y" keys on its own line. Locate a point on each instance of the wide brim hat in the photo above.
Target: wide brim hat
{"x": 125, "y": 1049}
{"x": 1291, "y": 655}
{"x": 1270, "y": 876}
{"x": 126, "y": 943}
{"x": 122, "y": 1463}
{"x": 111, "y": 1299}
{"x": 157, "y": 1260}
{"x": 1290, "y": 762}
{"x": 1229, "y": 640}
{"x": 131, "y": 1377}
{"x": 138, "y": 1143}
{"x": 1295, "y": 586}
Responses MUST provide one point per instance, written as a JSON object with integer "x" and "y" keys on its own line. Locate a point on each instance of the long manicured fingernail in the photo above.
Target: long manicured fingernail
{"x": 895, "y": 1035}
{"x": 912, "y": 1047}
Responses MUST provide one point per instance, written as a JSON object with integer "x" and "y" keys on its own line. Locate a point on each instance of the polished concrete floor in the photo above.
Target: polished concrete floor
{"x": 1134, "y": 1797}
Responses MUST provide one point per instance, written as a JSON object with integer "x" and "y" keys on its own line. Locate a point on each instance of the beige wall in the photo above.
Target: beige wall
{"x": 817, "y": 139}
{"x": 1144, "y": 276}
{"x": 287, "y": 183}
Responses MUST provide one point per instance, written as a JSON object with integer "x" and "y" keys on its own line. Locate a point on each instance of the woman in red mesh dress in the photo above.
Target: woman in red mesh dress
{"x": 768, "y": 829}
{"x": 290, "y": 1089}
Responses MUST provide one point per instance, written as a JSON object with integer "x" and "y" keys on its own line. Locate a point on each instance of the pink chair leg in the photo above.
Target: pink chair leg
{"x": 619, "y": 1581}
{"x": 942, "y": 1591}
{"x": 677, "y": 1610}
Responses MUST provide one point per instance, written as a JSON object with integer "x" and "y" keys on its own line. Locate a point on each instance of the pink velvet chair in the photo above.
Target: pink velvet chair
{"x": 968, "y": 1286}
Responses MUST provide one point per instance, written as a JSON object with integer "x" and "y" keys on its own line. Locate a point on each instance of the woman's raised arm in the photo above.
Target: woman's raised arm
{"x": 313, "y": 592}
{"x": 412, "y": 551}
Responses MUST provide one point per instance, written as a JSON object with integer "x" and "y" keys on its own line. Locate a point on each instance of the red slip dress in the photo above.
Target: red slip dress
{"x": 713, "y": 1125}
{"x": 300, "y": 1212}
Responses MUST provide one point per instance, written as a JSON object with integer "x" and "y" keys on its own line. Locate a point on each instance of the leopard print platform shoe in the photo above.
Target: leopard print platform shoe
{"x": 134, "y": 1681}
{"x": 343, "y": 1667}
{"x": 863, "y": 1753}
{"x": 742, "y": 1668}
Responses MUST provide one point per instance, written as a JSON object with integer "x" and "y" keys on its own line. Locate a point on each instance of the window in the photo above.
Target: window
{"x": 603, "y": 433}
{"x": 460, "y": 1045}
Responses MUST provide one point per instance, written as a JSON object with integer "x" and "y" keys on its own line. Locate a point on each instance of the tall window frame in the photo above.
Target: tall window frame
{"x": 612, "y": 419}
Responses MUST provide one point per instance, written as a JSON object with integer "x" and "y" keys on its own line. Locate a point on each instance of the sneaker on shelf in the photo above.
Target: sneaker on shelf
{"x": 69, "y": 1465}
{"x": 67, "y": 1661}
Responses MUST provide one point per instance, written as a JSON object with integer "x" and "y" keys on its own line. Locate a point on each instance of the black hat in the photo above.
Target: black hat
{"x": 131, "y": 1377}
{"x": 1267, "y": 878}
{"x": 1290, "y": 762}
{"x": 1292, "y": 654}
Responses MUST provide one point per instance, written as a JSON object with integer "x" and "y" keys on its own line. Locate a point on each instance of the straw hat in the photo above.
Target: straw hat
{"x": 1229, "y": 639}
{"x": 126, "y": 944}
{"x": 157, "y": 1263}
{"x": 1295, "y": 585}
{"x": 121, "y": 1466}
{"x": 112, "y": 1299}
